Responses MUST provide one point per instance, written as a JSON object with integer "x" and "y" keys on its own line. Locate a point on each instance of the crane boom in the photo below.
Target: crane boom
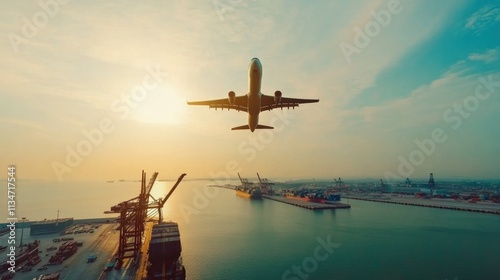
{"x": 151, "y": 183}
{"x": 162, "y": 202}
{"x": 259, "y": 178}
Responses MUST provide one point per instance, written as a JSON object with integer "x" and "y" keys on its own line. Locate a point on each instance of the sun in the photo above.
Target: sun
{"x": 163, "y": 105}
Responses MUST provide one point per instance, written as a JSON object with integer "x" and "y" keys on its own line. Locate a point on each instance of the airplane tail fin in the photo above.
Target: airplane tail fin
{"x": 259, "y": 126}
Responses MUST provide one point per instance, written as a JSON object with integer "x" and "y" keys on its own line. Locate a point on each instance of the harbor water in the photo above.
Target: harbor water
{"x": 228, "y": 237}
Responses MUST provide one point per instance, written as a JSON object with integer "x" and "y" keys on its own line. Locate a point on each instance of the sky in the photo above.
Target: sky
{"x": 98, "y": 90}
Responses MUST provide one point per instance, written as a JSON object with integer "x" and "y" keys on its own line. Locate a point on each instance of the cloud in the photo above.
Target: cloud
{"x": 483, "y": 18}
{"x": 488, "y": 56}
{"x": 23, "y": 123}
{"x": 425, "y": 105}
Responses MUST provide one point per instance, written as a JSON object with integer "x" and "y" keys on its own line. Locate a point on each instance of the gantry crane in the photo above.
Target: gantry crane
{"x": 338, "y": 182}
{"x": 265, "y": 185}
{"x": 408, "y": 183}
{"x": 244, "y": 182}
{"x": 431, "y": 183}
{"x": 134, "y": 213}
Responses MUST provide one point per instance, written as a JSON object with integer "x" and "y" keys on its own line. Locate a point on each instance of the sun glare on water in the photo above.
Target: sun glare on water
{"x": 163, "y": 105}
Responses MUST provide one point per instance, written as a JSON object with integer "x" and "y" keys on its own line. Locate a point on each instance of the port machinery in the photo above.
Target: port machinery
{"x": 432, "y": 184}
{"x": 134, "y": 213}
{"x": 265, "y": 185}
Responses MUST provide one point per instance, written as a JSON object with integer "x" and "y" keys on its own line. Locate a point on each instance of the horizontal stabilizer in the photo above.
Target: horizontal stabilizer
{"x": 241, "y": 127}
{"x": 259, "y": 126}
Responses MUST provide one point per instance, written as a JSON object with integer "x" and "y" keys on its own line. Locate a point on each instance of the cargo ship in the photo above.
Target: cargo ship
{"x": 248, "y": 189}
{"x": 305, "y": 196}
{"x": 313, "y": 196}
{"x": 165, "y": 249}
{"x": 252, "y": 193}
{"x": 332, "y": 197}
{"x": 50, "y": 226}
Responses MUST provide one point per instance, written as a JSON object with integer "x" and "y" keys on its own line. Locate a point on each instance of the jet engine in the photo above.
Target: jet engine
{"x": 231, "y": 97}
{"x": 277, "y": 97}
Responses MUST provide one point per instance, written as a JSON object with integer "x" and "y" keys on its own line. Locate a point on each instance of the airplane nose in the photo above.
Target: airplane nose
{"x": 255, "y": 62}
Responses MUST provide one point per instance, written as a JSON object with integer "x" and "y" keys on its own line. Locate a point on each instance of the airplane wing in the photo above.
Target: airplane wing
{"x": 240, "y": 103}
{"x": 268, "y": 103}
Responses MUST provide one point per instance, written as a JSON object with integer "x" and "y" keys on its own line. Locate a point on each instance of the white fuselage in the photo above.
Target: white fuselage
{"x": 254, "y": 82}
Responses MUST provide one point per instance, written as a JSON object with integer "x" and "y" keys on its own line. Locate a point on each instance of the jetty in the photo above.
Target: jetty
{"x": 307, "y": 204}
{"x": 450, "y": 204}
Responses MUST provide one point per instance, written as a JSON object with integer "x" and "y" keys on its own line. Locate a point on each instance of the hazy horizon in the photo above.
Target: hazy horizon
{"x": 99, "y": 90}
{"x": 255, "y": 179}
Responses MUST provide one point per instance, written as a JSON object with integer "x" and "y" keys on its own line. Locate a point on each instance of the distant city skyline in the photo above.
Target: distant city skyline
{"x": 98, "y": 91}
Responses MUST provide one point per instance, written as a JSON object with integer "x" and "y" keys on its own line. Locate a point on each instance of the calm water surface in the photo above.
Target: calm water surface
{"x": 228, "y": 237}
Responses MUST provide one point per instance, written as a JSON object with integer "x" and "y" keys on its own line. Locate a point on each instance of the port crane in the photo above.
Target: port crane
{"x": 432, "y": 184}
{"x": 265, "y": 185}
{"x": 134, "y": 213}
{"x": 338, "y": 182}
{"x": 383, "y": 186}
{"x": 244, "y": 182}
{"x": 158, "y": 203}
{"x": 408, "y": 183}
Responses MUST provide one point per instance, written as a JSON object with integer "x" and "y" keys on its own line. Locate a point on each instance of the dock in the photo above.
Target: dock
{"x": 98, "y": 238}
{"x": 480, "y": 207}
{"x": 142, "y": 272}
{"x": 306, "y": 204}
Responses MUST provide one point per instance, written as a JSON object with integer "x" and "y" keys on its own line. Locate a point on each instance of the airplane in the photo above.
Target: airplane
{"x": 254, "y": 101}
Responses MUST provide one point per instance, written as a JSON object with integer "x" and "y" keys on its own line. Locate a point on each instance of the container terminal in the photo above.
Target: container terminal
{"x": 441, "y": 203}
{"x": 314, "y": 199}
{"x": 465, "y": 196}
{"x": 470, "y": 196}
{"x": 137, "y": 244}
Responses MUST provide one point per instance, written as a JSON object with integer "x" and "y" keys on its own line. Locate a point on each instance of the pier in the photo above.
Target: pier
{"x": 480, "y": 207}
{"x": 306, "y": 204}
